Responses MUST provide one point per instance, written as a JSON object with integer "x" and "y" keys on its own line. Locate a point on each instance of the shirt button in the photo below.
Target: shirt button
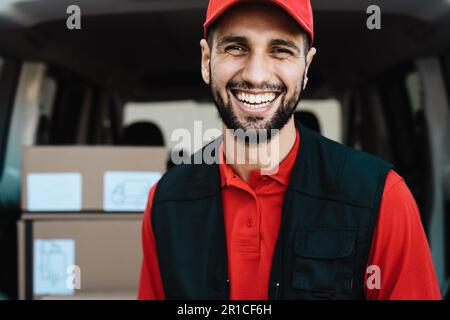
{"x": 249, "y": 222}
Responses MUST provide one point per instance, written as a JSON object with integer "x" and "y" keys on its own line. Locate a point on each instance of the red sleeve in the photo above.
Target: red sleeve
{"x": 400, "y": 249}
{"x": 150, "y": 286}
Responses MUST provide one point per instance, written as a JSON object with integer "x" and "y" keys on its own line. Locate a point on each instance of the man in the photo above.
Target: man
{"x": 328, "y": 223}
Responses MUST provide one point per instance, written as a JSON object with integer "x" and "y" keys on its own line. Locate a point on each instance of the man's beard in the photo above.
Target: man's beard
{"x": 256, "y": 128}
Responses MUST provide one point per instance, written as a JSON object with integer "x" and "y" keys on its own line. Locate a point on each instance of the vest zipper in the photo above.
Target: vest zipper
{"x": 276, "y": 287}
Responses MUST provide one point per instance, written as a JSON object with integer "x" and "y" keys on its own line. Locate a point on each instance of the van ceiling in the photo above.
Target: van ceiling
{"x": 149, "y": 49}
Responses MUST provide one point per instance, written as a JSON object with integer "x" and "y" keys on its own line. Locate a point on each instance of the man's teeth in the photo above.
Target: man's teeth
{"x": 256, "y": 98}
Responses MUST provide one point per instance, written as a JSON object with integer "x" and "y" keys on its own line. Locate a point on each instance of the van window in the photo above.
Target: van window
{"x": 172, "y": 115}
{"x": 8, "y": 78}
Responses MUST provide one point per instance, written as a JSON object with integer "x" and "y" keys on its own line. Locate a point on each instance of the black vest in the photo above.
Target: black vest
{"x": 330, "y": 209}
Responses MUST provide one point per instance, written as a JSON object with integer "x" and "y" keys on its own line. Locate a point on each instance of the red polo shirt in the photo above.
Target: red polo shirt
{"x": 252, "y": 215}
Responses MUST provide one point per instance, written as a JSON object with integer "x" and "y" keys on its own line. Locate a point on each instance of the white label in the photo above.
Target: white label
{"x": 54, "y": 191}
{"x": 52, "y": 258}
{"x": 127, "y": 191}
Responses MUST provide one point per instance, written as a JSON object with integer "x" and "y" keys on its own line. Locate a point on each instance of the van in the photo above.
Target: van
{"x": 383, "y": 90}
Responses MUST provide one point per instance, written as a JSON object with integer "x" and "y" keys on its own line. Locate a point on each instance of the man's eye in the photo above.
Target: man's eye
{"x": 235, "y": 49}
{"x": 279, "y": 52}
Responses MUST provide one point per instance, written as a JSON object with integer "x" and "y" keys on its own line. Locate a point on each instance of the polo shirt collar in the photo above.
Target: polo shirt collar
{"x": 282, "y": 176}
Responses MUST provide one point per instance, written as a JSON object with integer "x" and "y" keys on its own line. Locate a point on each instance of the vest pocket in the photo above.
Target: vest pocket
{"x": 323, "y": 260}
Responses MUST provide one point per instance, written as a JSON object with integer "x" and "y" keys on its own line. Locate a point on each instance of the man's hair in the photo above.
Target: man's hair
{"x": 212, "y": 29}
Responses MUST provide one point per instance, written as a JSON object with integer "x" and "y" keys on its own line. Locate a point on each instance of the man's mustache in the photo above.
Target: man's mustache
{"x": 245, "y": 85}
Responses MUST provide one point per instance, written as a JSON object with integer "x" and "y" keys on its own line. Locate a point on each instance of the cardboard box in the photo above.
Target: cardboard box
{"x": 89, "y": 179}
{"x": 106, "y": 248}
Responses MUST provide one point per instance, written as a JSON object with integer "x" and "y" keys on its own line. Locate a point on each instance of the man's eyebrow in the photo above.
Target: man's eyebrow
{"x": 230, "y": 39}
{"x": 285, "y": 43}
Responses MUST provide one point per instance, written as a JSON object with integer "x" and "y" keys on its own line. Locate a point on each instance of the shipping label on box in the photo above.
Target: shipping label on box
{"x": 54, "y": 191}
{"x": 52, "y": 261}
{"x": 127, "y": 190}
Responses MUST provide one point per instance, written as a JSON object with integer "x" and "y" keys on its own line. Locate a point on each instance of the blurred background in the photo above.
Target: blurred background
{"x": 86, "y": 118}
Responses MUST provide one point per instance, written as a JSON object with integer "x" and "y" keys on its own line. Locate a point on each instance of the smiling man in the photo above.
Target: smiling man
{"x": 329, "y": 222}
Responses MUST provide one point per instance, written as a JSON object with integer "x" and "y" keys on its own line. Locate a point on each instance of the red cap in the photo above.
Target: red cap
{"x": 300, "y": 10}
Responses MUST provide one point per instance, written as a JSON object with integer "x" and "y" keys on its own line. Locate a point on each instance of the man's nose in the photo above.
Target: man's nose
{"x": 257, "y": 70}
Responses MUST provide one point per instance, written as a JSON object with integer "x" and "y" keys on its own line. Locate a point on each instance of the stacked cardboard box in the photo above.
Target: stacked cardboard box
{"x": 80, "y": 232}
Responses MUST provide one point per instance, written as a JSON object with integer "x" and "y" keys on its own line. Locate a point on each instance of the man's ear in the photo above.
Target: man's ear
{"x": 206, "y": 56}
{"x": 309, "y": 59}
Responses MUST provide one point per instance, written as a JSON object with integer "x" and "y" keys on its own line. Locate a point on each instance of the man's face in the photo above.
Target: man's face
{"x": 256, "y": 67}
